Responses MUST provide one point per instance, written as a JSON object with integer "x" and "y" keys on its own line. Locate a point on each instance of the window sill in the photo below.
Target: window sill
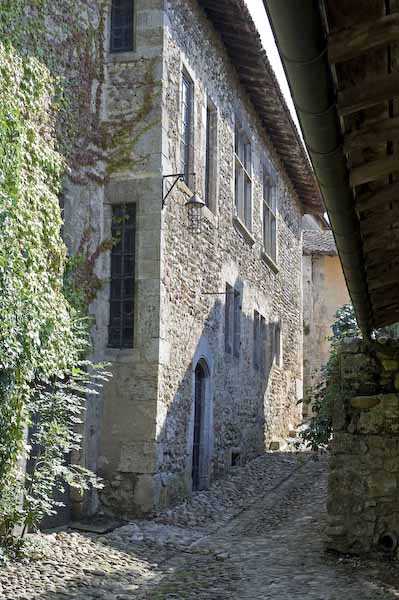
{"x": 120, "y": 355}
{"x": 269, "y": 262}
{"x": 115, "y": 57}
{"x": 241, "y": 228}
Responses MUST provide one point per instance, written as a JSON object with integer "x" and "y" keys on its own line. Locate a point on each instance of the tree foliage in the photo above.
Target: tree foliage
{"x": 318, "y": 434}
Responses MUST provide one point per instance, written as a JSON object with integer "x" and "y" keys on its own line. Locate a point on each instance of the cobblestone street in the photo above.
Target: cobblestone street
{"x": 254, "y": 535}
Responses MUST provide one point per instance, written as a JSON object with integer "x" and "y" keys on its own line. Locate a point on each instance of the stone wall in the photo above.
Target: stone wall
{"x": 139, "y": 432}
{"x": 363, "y": 499}
{"x": 248, "y": 409}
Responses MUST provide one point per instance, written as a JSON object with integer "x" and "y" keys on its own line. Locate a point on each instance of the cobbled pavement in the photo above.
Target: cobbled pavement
{"x": 254, "y": 535}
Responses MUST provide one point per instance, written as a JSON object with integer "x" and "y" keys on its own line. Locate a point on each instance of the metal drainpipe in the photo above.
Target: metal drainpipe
{"x": 299, "y": 35}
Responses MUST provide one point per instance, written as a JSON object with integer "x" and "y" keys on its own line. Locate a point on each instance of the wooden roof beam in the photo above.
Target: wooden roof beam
{"x": 390, "y": 295}
{"x": 377, "y": 259}
{"x": 374, "y": 169}
{"x": 382, "y": 243}
{"x": 381, "y": 313}
{"x": 368, "y": 93}
{"x": 360, "y": 38}
{"x": 384, "y": 281}
{"x": 386, "y": 303}
{"x": 385, "y": 195}
{"x": 389, "y": 319}
{"x": 382, "y": 267}
{"x": 375, "y": 133}
{"x": 376, "y": 222}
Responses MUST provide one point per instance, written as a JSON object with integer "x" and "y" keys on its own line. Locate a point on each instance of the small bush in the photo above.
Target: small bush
{"x": 317, "y": 436}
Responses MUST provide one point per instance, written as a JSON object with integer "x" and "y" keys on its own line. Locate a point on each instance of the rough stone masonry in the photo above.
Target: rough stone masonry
{"x": 363, "y": 498}
{"x": 139, "y": 435}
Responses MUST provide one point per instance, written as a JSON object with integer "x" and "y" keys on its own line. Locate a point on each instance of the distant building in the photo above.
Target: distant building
{"x": 324, "y": 291}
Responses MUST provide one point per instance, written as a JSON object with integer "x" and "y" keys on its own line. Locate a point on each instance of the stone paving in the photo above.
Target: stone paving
{"x": 254, "y": 535}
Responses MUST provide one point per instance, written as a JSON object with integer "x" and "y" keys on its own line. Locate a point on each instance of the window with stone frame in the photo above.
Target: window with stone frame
{"x": 269, "y": 207}
{"x": 121, "y": 320}
{"x": 237, "y": 324}
{"x": 122, "y": 26}
{"x": 259, "y": 342}
{"x": 263, "y": 345}
{"x": 232, "y": 322}
{"x": 256, "y": 341}
{"x": 243, "y": 176}
{"x": 277, "y": 344}
{"x": 186, "y": 133}
{"x": 210, "y": 184}
{"x": 228, "y": 319}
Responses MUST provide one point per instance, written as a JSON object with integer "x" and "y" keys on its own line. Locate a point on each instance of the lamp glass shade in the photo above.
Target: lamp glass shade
{"x": 194, "y": 213}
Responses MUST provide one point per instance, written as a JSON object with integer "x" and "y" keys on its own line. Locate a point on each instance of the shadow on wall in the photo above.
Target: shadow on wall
{"x": 214, "y": 418}
{"x": 211, "y": 416}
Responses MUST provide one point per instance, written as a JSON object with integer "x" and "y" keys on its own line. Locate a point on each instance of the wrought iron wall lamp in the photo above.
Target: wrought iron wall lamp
{"x": 194, "y": 205}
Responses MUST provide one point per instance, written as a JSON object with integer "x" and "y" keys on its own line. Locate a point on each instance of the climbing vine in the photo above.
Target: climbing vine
{"x": 52, "y": 130}
{"x": 41, "y": 342}
{"x": 43, "y": 338}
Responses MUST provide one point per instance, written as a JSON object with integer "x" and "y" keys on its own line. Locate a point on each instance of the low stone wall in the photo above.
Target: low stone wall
{"x": 363, "y": 500}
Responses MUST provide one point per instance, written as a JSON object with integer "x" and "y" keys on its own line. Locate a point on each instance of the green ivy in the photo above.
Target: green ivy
{"x": 42, "y": 338}
{"x": 51, "y": 85}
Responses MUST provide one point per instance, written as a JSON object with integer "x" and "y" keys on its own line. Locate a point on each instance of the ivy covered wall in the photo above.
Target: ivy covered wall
{"x": 105, "y": 115}
{"x": 42, "y": 335}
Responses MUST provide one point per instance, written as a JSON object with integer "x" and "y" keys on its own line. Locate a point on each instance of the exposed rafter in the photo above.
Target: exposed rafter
{"x": 372, "y": 170}
{"x": 376, "y": 133}
{"x": 362, "y": 37}
{"x": 386, "y": 195}
{"x": 368, "y": 94}
{"x": 386, "y": 281}
{"x": 375, "y": 222}
{"x": 385, "y": 240}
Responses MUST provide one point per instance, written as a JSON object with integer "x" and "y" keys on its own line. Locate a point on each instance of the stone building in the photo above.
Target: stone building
{"x": 324, "y": 292}
{"x": 203, "y": 330}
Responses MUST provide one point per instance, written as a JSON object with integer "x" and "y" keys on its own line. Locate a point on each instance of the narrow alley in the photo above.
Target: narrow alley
{"x": 255, "y": 534}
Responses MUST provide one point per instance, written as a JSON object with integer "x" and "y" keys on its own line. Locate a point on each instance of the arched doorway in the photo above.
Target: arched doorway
{"x": 201, "y": 375}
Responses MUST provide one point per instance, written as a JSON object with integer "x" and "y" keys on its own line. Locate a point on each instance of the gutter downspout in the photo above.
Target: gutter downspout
{"x": 300, "y": 38}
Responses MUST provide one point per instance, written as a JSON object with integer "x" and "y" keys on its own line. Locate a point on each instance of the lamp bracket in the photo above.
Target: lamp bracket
{"x": 178, "y": 177}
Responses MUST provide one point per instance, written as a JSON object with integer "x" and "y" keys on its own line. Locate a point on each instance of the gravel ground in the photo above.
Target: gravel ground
{"x": 254, "y": 535}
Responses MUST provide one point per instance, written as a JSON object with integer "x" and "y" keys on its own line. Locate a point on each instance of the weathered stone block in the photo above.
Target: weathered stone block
{"x": 389, "y": 364}
{"x": 147, "y": 492}
{"x": 351, "y": 346}
{"x": 363, "y": 484}
{"x": 380, "y": 486}
{"x": 138, "y": 457}
{"x": 370, "y": 422}
{"x": 364, "y": 402}
{"x": 346, "y": 443}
